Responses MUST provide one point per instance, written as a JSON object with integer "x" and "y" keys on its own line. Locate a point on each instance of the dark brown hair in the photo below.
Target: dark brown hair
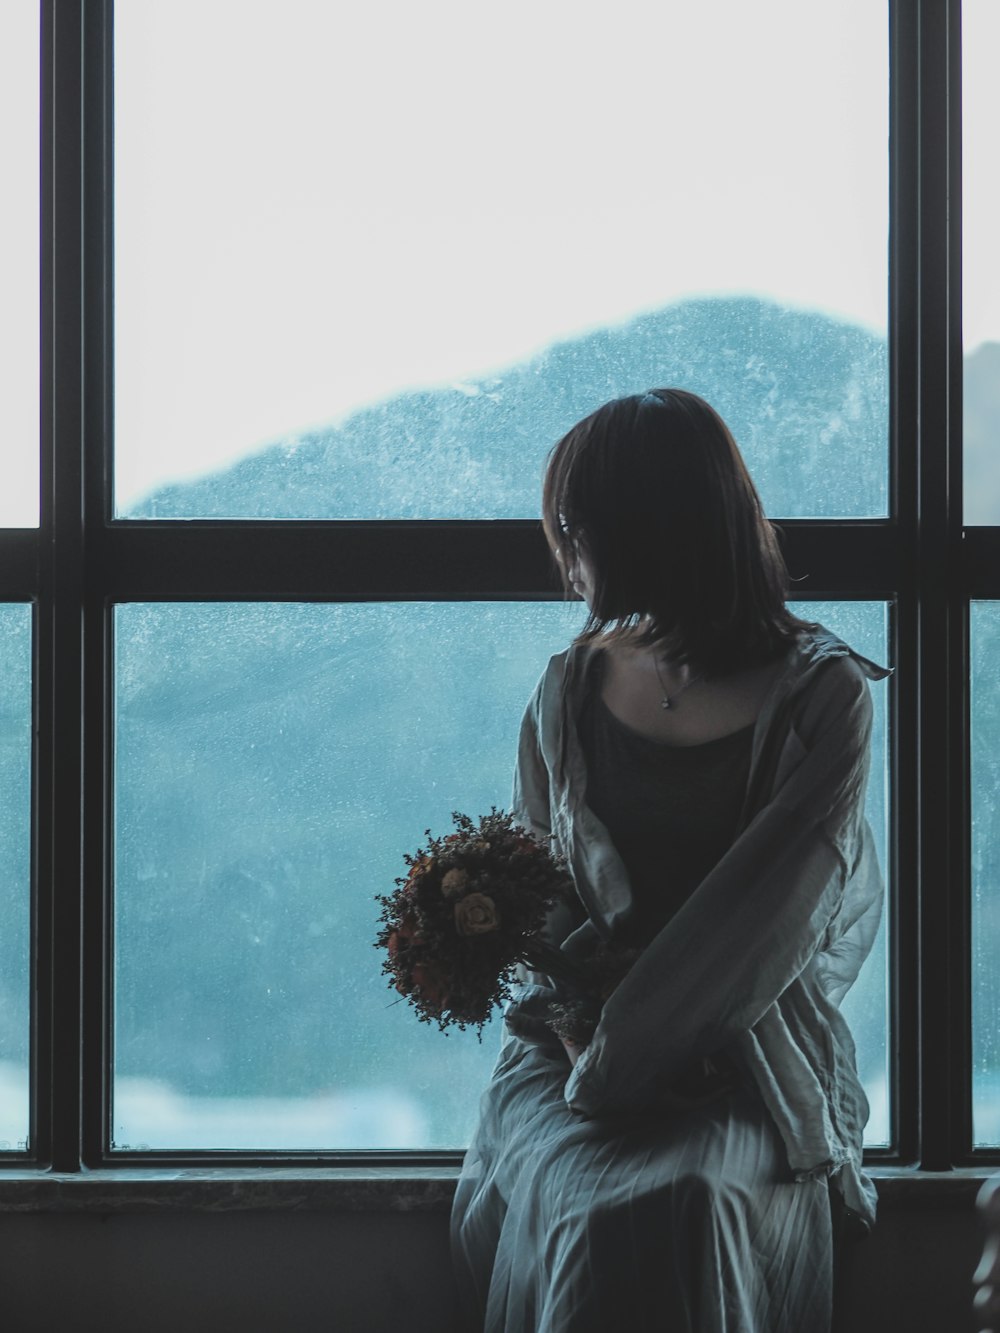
{"x": 653, "y": 490}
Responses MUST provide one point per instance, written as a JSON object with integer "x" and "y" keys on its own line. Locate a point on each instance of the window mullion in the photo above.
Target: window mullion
{"x": 401, "y": 561}
{"x": 904, "y": 249}
{"x": 942, "y": 659}
{"x": 96, "y": 648}
{"x": 58, "y": 869}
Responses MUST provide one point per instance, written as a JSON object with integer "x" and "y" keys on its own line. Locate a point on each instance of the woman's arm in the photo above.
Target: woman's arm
{"x": 530, "y": 795}
{"x": 573, "y": 1052}
{"x": 526, "y": 1014}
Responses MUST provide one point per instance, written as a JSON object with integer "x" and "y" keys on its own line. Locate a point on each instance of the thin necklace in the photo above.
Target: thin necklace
{"x": 667, "y": 701}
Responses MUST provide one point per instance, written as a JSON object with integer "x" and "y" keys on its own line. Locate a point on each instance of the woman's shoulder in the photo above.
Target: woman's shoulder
{"x": 565, "y": 668}
{"x": 560, "y": 688}
{"x": 816, "y": 647}
{"x": 828, "y": 682}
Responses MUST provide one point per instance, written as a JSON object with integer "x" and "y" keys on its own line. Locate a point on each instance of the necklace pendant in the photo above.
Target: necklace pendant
{"x": 665, "y": 702}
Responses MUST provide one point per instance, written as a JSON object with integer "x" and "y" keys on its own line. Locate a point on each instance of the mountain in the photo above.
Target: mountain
{"x": 805, "y": 395}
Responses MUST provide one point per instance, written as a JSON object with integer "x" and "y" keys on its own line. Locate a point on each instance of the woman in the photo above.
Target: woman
{"x": 699, "y": 755}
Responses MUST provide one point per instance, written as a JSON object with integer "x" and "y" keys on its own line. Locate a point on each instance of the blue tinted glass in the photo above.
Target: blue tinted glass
{"x": 274, "y": 762}
{"x": 15, "y": 872}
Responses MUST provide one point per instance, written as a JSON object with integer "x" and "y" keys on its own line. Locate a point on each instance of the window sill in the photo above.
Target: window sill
{"x": 324, "y": 1189}
{"x": 355, "y": 1190}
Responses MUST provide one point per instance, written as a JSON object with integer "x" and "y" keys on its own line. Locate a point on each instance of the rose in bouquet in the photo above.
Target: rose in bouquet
{"x": 471, "y": 907}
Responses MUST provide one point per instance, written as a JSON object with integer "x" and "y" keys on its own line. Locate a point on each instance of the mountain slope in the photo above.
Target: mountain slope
{"x": 804, "y": 394}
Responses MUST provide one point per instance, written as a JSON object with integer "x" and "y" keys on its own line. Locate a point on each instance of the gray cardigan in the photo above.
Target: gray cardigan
{"x": 760, "y": 956}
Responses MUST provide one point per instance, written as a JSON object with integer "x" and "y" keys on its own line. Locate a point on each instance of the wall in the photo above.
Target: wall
{"x": 262, "y": 1270}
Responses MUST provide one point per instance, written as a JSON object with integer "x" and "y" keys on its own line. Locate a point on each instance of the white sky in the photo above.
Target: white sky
{"x": 319, "y": 205}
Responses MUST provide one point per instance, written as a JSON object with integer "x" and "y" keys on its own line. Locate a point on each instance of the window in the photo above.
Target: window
{"x": 221, "y": 658}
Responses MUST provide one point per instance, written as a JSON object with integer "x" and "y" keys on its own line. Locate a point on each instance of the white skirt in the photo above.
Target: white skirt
{"x": 689, "y": 1223}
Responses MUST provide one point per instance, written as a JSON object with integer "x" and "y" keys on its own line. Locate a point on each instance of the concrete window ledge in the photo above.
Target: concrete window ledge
{"x": 335, "y": 1189}
{"x": 344, "y": 1189}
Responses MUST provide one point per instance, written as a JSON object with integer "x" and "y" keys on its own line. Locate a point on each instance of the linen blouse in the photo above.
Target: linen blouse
{"x": 757, "y": 960}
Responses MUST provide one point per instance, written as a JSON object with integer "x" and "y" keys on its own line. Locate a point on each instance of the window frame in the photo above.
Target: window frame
{"x": 79, "y": 563}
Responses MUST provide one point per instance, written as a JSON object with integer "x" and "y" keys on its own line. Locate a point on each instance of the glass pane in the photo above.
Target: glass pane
{"x": 19, "y": 256}
{"x": 274, "y": 761}
{"x": 864, "y": 625}
{"x": 15, "y": 872}
{"x": 985, "y": 715}
{"x": 357, "y": 277}
{"x": 980, "y": 264}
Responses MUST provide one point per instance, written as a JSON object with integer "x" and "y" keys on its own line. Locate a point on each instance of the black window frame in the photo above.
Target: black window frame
{"x": 79, "y": 563}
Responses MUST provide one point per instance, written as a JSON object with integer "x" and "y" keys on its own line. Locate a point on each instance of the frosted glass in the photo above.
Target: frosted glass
{"x": 15, "y": 872}
{"x": 985, "y": 715}
{"x": 980, "y": 264}
{"x": 20, "y": 171}
{"x": 273, "y": 763}
{"x": 357, "y": 278}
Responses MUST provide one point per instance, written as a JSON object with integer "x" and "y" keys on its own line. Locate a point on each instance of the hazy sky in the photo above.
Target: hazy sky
{"x": 319, "y": 205}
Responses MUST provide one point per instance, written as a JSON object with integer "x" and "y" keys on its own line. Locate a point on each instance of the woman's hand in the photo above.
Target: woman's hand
{"x": 573, "y": 1051}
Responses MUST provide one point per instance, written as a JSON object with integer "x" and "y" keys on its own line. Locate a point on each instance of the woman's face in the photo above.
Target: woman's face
{"x": 581, "y": 574}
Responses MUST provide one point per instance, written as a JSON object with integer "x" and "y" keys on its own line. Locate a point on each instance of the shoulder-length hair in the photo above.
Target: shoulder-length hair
{"x": 653, "y": 492}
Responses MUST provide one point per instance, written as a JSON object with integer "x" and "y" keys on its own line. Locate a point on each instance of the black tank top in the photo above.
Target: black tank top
{"x": 671, "y": 810}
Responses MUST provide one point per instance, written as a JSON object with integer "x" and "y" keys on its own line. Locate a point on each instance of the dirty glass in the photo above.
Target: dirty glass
{"x": 273, "y": 764}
